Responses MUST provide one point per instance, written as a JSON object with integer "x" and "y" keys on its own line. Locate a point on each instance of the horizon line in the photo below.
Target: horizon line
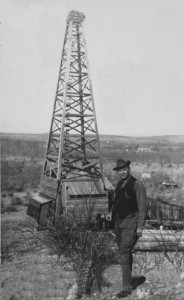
{"x": 100, "y": 134}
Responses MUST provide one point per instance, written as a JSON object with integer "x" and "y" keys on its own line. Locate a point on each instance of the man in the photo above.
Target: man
{"x": 129, "y": 213}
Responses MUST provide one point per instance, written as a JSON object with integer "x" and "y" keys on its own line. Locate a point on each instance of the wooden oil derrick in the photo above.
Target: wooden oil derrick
{"x": 73, "y": 147}
{"x": 73, "y": 167}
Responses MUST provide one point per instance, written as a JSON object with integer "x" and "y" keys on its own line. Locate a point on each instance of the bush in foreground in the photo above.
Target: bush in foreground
{"x": 88, "y": 249}
{"x": 9, "y": 209}
{"x": 17, "y": 201}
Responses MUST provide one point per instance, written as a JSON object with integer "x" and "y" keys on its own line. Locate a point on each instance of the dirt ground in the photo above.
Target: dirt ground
{"x": 31, "y": 271}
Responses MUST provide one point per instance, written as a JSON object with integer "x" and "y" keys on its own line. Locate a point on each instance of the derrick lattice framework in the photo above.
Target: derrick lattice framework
{"x": 73, "y": 149}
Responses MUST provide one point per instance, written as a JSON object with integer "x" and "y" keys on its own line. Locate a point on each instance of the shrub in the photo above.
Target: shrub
{"x": 2, "y": 204}
{"x": 10, "y": 208}
{"x": 17, "y": 201}
{"x": 142, "y": 263}
{"x": 2, "y": 207}
{"x": 89, "y": 250}
{"x": 18, "y": 175}
{"x": 170, "y": 243}
{"x": 6, "y": 250}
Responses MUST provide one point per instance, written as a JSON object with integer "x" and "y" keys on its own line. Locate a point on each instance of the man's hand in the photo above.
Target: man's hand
{"x": 109, "y": 216}
{"x": 139, "y": 232}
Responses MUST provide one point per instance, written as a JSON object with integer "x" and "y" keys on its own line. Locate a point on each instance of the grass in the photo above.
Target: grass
{"x": 35, "y": 276}
{"x": 29, "y": 270}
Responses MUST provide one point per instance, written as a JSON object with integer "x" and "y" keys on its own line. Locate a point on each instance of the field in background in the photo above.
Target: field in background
{"x": 23, "y": 156}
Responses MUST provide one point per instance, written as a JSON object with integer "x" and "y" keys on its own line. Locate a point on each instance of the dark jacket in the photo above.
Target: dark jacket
{"x": 130, "y": 197}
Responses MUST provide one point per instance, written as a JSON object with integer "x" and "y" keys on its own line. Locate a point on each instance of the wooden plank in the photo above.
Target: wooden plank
{"x": 81, "y": 211}
{"x": 159, "y": 239}
{"x": 59, "y": 205}
{"x": 39, "y": 199}
{"x": 75, "y": 115}
{"x": 64, "y": 196}
{"x": 155, "y": 246}
{"x": 88, "y": 202}
{"x": 81, "y": 215}
{"x": 85, "y": 197}
{"x": 33, "y": 210}
{"x": 77, "y": 202}
{"x": 85, "y": 188}
{"x": 167, "y": 234}
{"x": 44, "y": 214}
{"x": 48, "y": 187}
{"x": 45, "y": 180}
{"x": 96, "y": 209}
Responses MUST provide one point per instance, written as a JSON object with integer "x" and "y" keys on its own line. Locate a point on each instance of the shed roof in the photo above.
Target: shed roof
{"x": 76, "y": 188}
{"x": 88, "y": 187}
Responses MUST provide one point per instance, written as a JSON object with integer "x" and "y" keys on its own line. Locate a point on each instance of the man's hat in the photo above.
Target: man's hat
{"x": 121, "y": 163}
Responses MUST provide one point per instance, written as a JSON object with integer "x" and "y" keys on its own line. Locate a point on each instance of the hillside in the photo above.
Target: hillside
{"x": 25, "y": 136}
{"x": 165, "y": 139}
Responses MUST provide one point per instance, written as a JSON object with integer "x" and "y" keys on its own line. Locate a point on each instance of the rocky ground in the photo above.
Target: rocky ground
{"x": 41, "y": 275}
{"x": 31, "y": 271}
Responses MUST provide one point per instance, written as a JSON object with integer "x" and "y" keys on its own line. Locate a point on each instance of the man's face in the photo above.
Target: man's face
{"x": 123, "y": 173}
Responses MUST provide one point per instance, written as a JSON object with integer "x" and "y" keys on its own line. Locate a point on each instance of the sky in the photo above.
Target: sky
{"x": 136, "y": 59}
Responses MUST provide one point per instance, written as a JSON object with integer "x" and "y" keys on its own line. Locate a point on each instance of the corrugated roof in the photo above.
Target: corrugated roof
{"x": 85, "y": 188}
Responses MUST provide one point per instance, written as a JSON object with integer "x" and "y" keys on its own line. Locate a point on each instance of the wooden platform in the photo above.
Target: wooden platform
{"x": 159, "y": 240}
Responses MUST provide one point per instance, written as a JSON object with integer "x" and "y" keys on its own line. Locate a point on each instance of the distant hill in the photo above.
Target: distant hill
{"x": 165, "y": 139}
{"x": 142, "y": 139}
{"x": 25, "y": 136}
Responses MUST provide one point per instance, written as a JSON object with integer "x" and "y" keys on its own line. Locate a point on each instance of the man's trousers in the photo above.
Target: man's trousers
{"x": 125, "y": 230}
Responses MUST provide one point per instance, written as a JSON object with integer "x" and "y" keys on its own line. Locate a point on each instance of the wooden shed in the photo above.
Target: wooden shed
{"x": 80, "y": 199}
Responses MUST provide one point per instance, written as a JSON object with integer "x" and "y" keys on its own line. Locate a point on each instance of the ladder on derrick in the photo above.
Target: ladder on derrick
{"x": 73, "y": 165}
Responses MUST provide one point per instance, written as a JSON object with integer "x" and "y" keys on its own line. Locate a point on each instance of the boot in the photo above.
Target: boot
{"x": 126, "y": 265}
{"x": 136, "y": 281}
{"x": 123, "y": 294}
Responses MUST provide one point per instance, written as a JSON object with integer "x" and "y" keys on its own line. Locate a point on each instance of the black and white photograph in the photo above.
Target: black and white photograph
{"x": 92, "y": 149}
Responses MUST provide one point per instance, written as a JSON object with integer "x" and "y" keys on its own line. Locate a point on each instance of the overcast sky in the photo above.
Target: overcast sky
{"x": 136, "y": 58}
